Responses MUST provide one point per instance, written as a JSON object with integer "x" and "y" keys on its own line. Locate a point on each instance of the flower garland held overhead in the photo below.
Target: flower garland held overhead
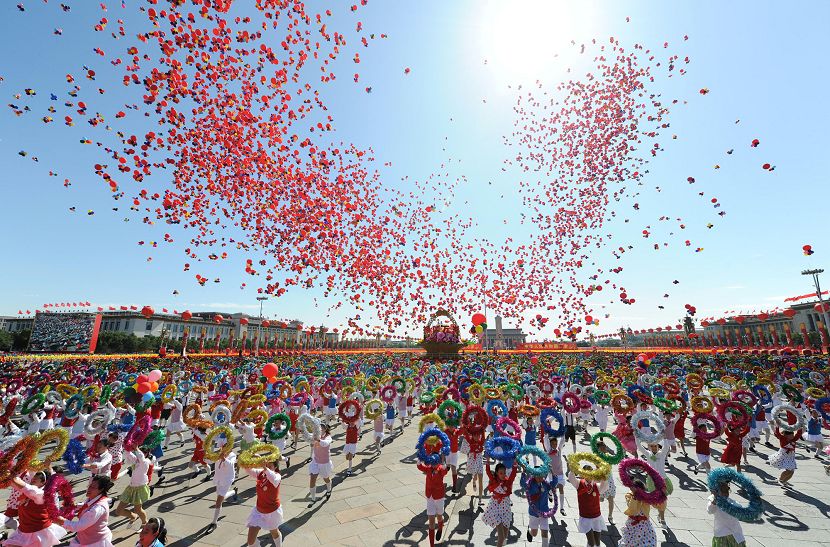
{"x": 257, "y": 455}
{"x": 421, "y": 446}
{"x": 749, "y": 513}
{"x": 634, "y": 474}
{"x": 597, "y": 469}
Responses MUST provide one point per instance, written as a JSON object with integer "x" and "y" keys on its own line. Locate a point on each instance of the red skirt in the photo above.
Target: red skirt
{"x": 732, "y": 453}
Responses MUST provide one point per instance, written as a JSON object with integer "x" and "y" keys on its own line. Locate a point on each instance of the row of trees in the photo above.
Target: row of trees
{"x": 14, "y": 341}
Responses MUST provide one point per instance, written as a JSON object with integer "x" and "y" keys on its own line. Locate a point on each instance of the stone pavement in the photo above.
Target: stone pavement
{"x": 382, "y": 504}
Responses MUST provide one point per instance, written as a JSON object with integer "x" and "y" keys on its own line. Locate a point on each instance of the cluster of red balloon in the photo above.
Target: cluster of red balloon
{"x": 691, "y": 310}
{"x": 479, "y": 324}
{"x": 808, "y": 250}
{"x": 142, "y": 391}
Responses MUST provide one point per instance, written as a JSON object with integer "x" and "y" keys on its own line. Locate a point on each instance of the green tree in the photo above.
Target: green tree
{"x": 21, "y": 340}
{"x": 6, "y": 340}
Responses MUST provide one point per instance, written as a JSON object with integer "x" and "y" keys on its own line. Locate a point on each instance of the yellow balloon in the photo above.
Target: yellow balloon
{"x": 479, "y": 329}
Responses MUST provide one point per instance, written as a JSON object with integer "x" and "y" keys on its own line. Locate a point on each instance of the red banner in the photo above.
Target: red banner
{"x": 531, "y": 346}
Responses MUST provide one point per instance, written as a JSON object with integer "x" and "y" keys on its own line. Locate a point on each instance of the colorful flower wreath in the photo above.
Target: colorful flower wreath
{"x": 15, "y": 461}
{"x": 598, "y": 471}
{"x": 502, "y": 448}
{"x": 258, "y": 454}
{"x": 275, "y": 432}
{"x": 57, "y": 434}
{"x": 349, "y": 411}
{"x": 540, "y": 470}
{"x": 216, "y": 455}
{"x": 717, "y": 429}
{"x": 749, "y": 513}
{"x": 629, "y": 467}
{"x": 153, "y": 440}
{"x": 373, "y": 408}
{"x": 602, "y": 397}
{"x": 451, "y": 412}
{"x": 75, "y": 456}
{"x": 647, "y": 435}
{"x": 421, "y": 446}
{"x": 475, "y": 419}
{"x": 58, "y": 488}
{"x": 545, "y": 416}
{"x": 138, "y": 432}
{"x": 308, "y": 426}
{"x": 431, "y": 418}
{"x": 503, "y": 423}
{"x": 779, "y": 416}
{"x": 619, "y": 451}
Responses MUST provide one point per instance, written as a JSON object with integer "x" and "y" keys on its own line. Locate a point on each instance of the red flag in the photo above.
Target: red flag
{"x": 100, "y": 308}
{"x": 124, "y": 308}
{"x": 20, "y": 312}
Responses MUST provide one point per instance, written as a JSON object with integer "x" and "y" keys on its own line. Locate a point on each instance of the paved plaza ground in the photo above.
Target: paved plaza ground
{"x": 382, "y": 504}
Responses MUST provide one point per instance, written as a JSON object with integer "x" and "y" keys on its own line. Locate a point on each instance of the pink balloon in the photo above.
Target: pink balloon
{"x": 154, "y": 376}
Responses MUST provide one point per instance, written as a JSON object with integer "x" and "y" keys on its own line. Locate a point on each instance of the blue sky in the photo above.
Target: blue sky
{"x": 764, "y": 65}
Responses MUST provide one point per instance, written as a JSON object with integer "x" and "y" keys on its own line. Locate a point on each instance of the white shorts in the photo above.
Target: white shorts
{"x": 702, "y": 458}
{"x": 324, "y": 470}
{"x": 350, "y": 448}
{"x": 223, "y": 488}
{"x": 452, "y": 459}
{"x": 672, "y": 442}
{"x": 435, "y": 507}
{"x": 585, "y": 525}
{"x": 539, "y": 523}
{"x": 265, "y": 521}
{"x": 814, "y": 438}
{"x": 402, "y": 413}
{"x": 329, "y": 411}
{"x": 378, "y": 435}
{"x": 390, "y": 423}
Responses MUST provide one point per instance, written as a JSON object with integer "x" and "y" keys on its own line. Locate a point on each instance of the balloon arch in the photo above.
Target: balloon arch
{"x": 440, "y": 337}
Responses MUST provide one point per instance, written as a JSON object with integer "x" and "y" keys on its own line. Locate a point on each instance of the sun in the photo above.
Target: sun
{"x": 523, "y": 40}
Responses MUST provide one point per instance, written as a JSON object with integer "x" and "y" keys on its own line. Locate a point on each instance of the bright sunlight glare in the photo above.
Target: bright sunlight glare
{"x": 523, "y": 40}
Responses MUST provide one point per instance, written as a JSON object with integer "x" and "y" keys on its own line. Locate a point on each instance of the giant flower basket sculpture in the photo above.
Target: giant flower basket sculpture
{"x": 440, "y": 337}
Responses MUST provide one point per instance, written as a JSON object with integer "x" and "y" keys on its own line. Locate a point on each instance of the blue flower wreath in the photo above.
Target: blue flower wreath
{"x": 432, "y": 459}
{"x": 540, "y": 470}
{"x": 127, "y": 421}
{"x": 549, "y": 412}
{"x": 508, "y": 448}
{"x": 763, "y": 394}
{"x": 752, "y": 511}
{"x": 491, "y": 406}
{"x": 819, "y": 406}
{"x": 75, "y": 456}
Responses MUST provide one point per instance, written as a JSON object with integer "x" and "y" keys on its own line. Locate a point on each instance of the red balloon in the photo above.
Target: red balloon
{"x": 478, "y": 319}
{"x": 144, "y": 387}
{"x": 147, "y": 312}
{"x": 186, "y": 315}
{"x": 243, "y": 321}
{"x": 142, "y": 379}
{"x": 266, "y": 324}
{"x": 269, "y": 370}
{"x": 217, "y": 318}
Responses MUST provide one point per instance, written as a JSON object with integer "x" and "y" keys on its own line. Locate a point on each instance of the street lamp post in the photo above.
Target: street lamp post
{"x": 815, "y": 273}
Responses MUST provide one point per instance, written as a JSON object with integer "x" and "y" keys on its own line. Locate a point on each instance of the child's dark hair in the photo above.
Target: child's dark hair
{"x": 103, "y": 483}
{"x": 500, "y": 466}
{"x": 157, "y": 523}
